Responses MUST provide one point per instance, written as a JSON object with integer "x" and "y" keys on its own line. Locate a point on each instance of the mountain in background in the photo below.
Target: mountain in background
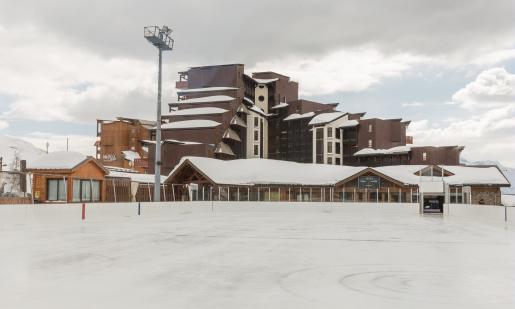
{"x": 13, "y": 149}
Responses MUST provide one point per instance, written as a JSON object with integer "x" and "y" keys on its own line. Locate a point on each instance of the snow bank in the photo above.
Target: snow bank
{"x": 508, "y": 200}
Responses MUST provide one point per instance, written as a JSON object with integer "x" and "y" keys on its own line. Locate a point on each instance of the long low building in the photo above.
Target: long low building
{"x": 198, "y": 178}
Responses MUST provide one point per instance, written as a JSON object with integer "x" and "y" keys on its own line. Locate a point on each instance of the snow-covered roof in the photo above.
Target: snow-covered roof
{"x": 135, "y": 177}
{"x": 231, "y": 134}
{"x": 198, "y": 111}
{"x": 393, "y": 150}
{"x": 208, "y": 99}
{"x": 206, "y": 89}
{"x": 238, "y": 121}
{"x": 325, "y": 118}
{"x": 248, "y": 100}
{"x": 170, "y": 141}
{"x": 59, "y": 160}
{"x": 224, "y": 148}
{"x": 257, "y": 110}
{"x": 299, "y": 116}
{"x": 263, "y": 171}
{"x": 280, "y": 105}
{"x": 190, "y": 124}
{"x": 349, "y": 123}
{"x": 265, "y": 80}
{"x": 130, "y": 155}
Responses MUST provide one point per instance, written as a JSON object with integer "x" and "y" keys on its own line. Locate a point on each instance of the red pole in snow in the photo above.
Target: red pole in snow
{"x": 83, "y": 211}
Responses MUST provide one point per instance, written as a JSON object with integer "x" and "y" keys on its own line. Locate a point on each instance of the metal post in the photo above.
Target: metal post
{"x": 411, "y": 195}
{"x": 289, "y": 194}
{"x": 238, "y": 194}
{"x": 388, "y": 194}
{"x": 400, "y": 196}
{"x": 248, "y": 194}
{"x": 139, "y": 208}
{"x": 269, "y": 194}
{"x": 173, "y": 192}
{"x": 157, "y": 167}
{"x": 65, "y": 189}
{"x": 354, "y": 195}
{"x": 149, "y": 195}
{"x": 377, "y": 195}
{"x": 114, "y": 190}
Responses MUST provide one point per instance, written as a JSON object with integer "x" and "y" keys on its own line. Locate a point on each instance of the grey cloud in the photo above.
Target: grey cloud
{"x": 245, "y": 31}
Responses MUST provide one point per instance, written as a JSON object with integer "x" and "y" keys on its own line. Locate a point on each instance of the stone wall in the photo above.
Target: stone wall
{"x": 486, "y": 195}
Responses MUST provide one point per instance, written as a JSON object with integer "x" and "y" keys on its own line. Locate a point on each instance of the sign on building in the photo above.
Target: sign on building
{"x": 369, "y": 182}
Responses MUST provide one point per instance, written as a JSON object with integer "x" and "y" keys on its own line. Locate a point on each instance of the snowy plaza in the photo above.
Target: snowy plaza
{"x": 256, "y": 255}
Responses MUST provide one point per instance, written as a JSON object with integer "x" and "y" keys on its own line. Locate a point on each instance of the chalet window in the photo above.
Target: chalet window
{"x": 329, "y": 147}
{"x": 56, "y": 190}
{"x": 370, "y": 128}
{"x": 86, "y": 190}
{"x": 369, "y": 143}
{"x": 338, "y": 133}
{"x": 424, "y": 156}
{"x": 329, "y": 132}
{"x": 337, "y": 146}
{"x": 256, "y": 135}
{"x": 256, "y": 150}
{"x": 256, "y": 122}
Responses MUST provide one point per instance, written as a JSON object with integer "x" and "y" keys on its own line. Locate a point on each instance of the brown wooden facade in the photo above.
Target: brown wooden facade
{"x": 88, "y": 170}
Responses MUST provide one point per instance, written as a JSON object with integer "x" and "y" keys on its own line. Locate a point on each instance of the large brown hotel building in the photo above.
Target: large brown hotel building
{"x": 222, "y": 112}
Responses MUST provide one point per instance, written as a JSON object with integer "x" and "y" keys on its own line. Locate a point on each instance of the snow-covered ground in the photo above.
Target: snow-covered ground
{"x": 253, "y": 256}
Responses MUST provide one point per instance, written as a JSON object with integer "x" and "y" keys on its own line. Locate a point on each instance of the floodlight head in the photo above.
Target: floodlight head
{"x": 160, "y": 38}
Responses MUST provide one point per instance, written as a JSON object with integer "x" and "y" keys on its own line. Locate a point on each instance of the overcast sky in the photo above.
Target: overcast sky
{"x": 449, "y": 66}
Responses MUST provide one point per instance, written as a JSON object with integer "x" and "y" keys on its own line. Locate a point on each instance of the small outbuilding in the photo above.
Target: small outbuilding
{"x": 67, "y": 177}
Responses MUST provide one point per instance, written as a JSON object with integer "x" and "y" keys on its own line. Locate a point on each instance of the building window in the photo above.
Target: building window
{"x": 261, "y": 98}
{"x": 256, "y": 122}
{"x": 329, "y": 132}
{"x": 370, "y": 128}
{"x": 369, "y": 143}
{"x": 338, "y": 133}
{"x": 56, "y": 190}
{"x": 338, "y": 161}
{"x": 329, "y": 160}
{"x": 86, "y": 190}
{"x": 256, "y": 150}
{"x": 424, "y": 156}
{"x": 256, "y": 135}
{"x": 319, "y": 145}
{"x": 329, "y": 147}
{"x": 337, "y": 148}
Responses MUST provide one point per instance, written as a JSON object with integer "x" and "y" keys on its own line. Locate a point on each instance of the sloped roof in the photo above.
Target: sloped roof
{"x": 190, "y": 124}
{"x": 263, "y": 171}
{"x": 206, "y": 89}
{"x": 198, "y": 111}
{"x": 299, "y": 116}
{"x": 325, "y": 118}
{"x": 208, "y": 99}
{"x": 60, "y": 160}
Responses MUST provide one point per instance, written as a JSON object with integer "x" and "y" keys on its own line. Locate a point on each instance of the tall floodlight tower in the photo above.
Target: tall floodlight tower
{"x": 160, "y": 38}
